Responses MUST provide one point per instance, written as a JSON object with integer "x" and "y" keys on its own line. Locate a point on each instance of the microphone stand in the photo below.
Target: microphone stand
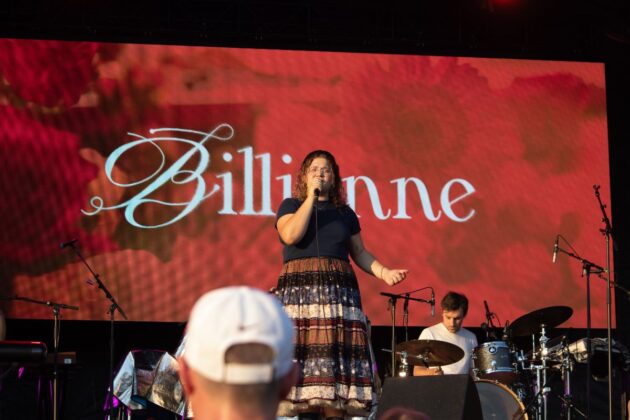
{"x": 112, "y": 312}
{"x": 56, "y": 308}
{"x": 607, "y": 232}
{"x": 588, "y": 268}
{"x": 392, "y": 304}
{"x": 586, "y": 271}
{"x": 491, "y": 329}
{"x": 406, "y": 307}
{"x": 406, "y": 316}
{"x": 540, "y": 392}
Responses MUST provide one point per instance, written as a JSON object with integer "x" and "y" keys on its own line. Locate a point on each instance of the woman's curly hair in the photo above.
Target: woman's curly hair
{"x": 337, "y": 193}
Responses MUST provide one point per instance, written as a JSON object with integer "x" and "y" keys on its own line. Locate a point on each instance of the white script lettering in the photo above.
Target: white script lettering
{"x": 175, "y": 175}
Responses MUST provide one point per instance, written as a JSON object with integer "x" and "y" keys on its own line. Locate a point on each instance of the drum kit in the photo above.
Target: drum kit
{"x": 512, "y": 383}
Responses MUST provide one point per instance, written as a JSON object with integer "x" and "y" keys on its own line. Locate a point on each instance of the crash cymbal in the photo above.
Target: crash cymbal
{"x": 430, "y": 353}
{"x": 531, "y": 323}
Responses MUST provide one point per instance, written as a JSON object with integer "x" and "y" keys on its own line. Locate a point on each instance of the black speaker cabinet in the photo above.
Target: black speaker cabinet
{"x": 448, "y": 397}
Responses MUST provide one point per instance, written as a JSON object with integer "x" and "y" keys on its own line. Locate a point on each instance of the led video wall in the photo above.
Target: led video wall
{"x": 167, "y": 164}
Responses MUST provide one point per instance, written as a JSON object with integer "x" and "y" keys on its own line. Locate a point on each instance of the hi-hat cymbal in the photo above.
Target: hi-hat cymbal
{"x": 554, "y": 348}
{"x": 430, "y": 353}
{"x": 531, "y": 323}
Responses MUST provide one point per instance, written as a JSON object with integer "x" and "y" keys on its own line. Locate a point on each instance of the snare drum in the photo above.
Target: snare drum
{"x": 494, "y": 360}
{"x": 499, "y": 402}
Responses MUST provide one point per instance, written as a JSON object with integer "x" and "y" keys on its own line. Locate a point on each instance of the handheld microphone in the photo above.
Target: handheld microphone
{"x": 406, "y": 304}
{"x": 555, "y": 250}
{"x": 317, "y": 190}
{"x": 67, "y": 244}
{"x": 432, "y": 303}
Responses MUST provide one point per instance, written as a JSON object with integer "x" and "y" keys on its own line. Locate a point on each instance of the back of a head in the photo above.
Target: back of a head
{"x": 401, "y": 413}
{"x": 239, "y": 343}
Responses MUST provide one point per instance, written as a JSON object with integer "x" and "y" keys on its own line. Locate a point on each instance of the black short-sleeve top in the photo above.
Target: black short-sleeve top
{"x": 335, "y": 227}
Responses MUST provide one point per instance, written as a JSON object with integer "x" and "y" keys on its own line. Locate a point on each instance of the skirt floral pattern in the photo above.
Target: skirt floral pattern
{"x": 332, "y": 346}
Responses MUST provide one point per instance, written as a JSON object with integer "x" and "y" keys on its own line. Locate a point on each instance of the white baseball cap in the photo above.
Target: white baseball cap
{"x": 229, "y": 316}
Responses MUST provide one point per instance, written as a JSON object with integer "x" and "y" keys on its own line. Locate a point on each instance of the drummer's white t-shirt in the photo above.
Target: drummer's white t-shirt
{"x": 463, "y": 338}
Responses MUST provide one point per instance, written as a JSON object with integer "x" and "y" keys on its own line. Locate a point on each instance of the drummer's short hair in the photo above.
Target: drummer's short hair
{"x": 453, "y": 301}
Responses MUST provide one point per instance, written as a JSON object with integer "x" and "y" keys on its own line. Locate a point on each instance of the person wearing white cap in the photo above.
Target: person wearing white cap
{"x": 238, "y": 359}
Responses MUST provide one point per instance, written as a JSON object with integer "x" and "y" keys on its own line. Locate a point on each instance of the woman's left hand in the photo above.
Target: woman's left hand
{"x": 395, "y": 276}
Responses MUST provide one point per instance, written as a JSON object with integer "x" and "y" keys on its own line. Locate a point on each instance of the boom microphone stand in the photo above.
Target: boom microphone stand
{"x": 607, "y": 232}
{"x": 588, "y": 268}
{"x": 406, "y": 307}
{"x": 112, "y": 312}
{"x": 392, "y": 304}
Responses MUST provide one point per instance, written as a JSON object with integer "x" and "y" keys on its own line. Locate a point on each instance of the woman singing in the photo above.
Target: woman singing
{"x": 319, "y": 291}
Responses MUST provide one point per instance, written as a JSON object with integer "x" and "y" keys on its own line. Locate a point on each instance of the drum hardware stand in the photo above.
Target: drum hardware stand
{"x": 404, "y": 366}
{"x": 112, "y": 312}
{"x": 537, "y": 397}
{"x": 588, "y": 268}
{"x": 539, "y": 400}
{"x": 520, "y": 359}
{"x": 525, "y": 380}
{"x": 544, "y": 389}
{"x": 56, "y": 308}
{"x": 566, "y": 368}
{"x": 567, "y": 406}
{"x": 392, "y": 305}
{"x": 565, "y": 372}
{"x": 403, "y": 369}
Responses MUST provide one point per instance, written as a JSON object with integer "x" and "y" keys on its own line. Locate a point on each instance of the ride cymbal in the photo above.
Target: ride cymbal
{"x": 532, "y": 322}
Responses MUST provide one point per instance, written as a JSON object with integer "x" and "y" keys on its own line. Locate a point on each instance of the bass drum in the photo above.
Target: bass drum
{"x": 499, "y": 402}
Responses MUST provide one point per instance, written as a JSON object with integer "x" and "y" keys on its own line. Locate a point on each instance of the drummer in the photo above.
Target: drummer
{"x": 454, "y": 309}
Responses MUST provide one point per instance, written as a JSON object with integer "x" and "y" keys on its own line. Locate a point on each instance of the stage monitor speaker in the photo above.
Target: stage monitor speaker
{"x": 448, "y": 397}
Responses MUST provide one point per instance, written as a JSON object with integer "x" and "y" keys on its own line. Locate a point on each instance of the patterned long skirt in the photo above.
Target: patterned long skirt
{"x": 332, "y": 346}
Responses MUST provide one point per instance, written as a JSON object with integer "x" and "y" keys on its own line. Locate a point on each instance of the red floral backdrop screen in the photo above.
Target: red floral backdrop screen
{"x": 167, "y": 164}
